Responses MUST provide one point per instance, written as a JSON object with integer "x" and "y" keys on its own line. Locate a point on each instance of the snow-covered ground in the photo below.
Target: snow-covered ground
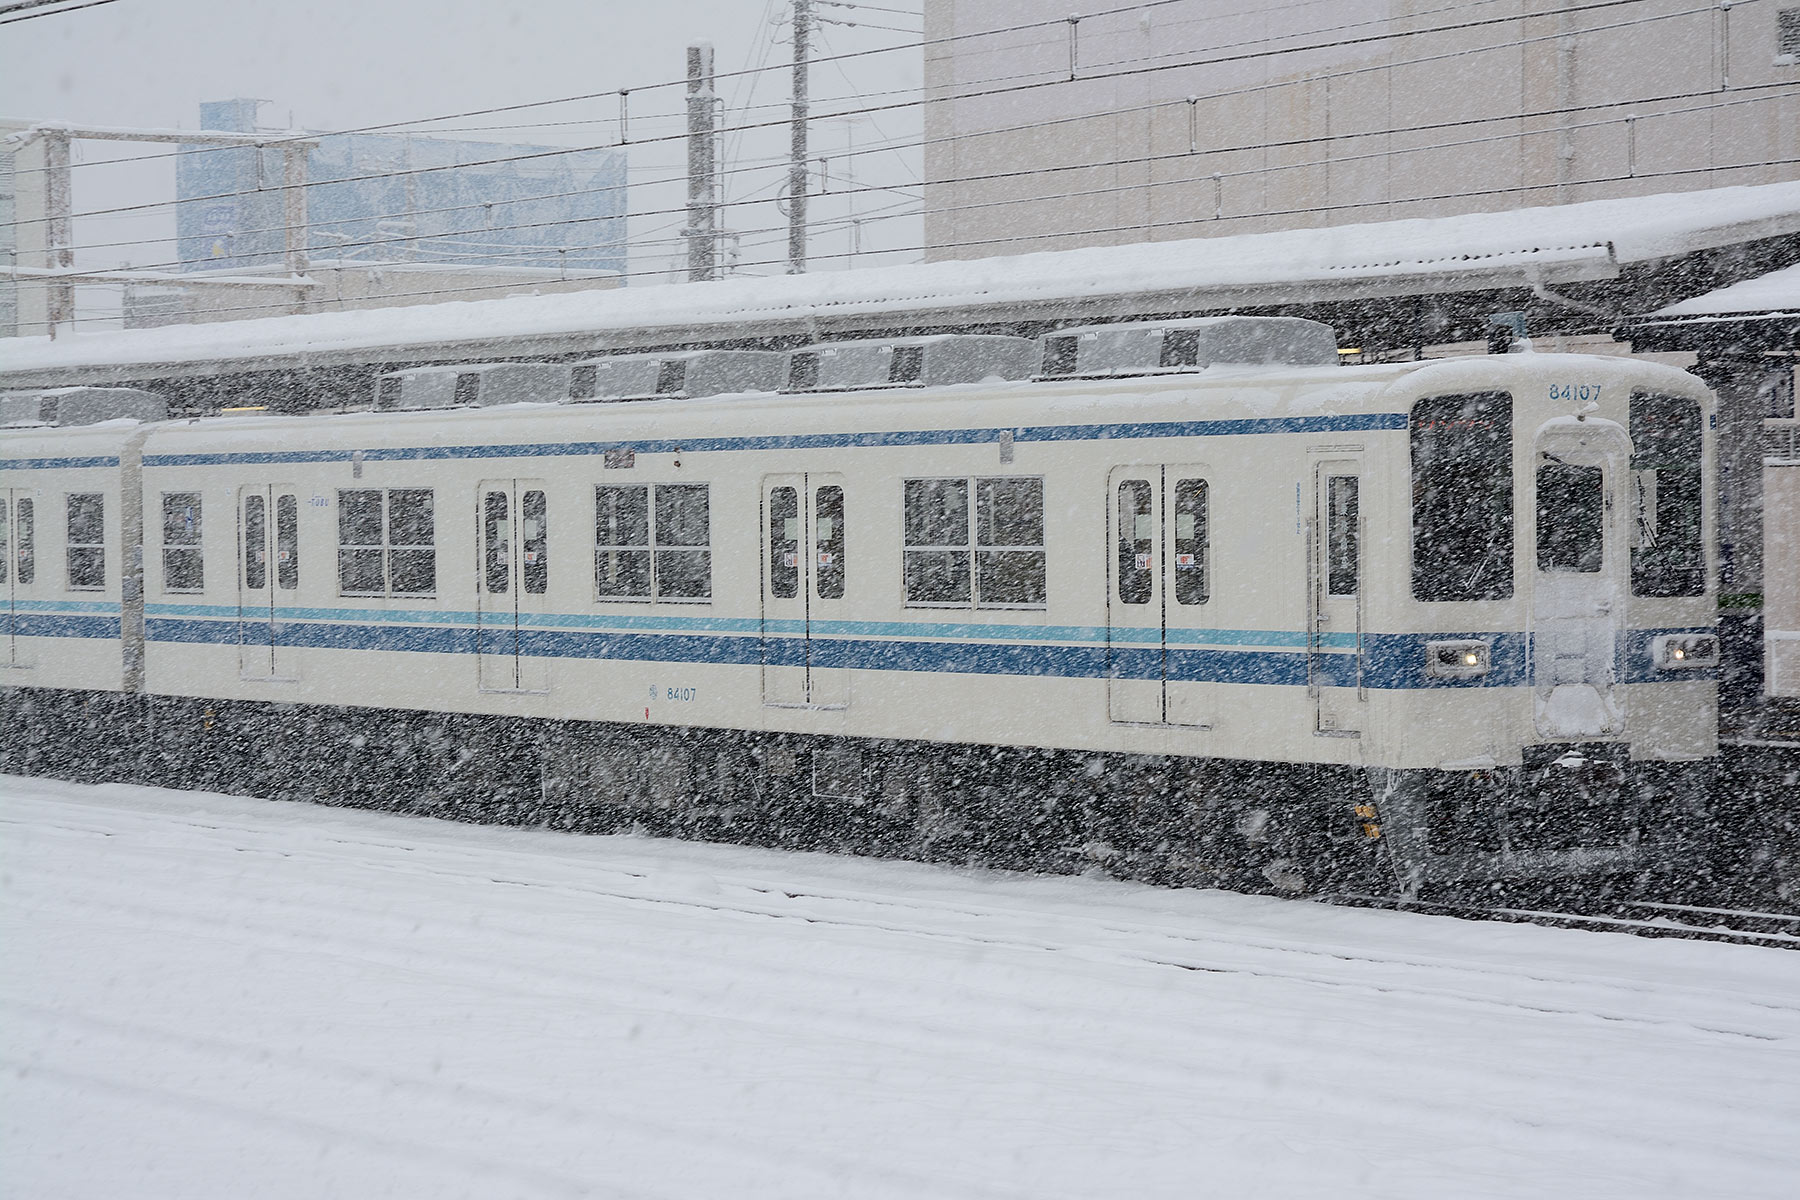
{"x": 207, "y": 996}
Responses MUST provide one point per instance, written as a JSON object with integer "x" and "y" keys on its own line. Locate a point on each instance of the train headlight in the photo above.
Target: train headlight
{"x": 1683, "y": 651}
{"x": 1460, "y": 659}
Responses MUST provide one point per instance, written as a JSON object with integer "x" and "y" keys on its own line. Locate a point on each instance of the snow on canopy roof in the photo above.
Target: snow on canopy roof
{"x": 1776, "y": 292}
{"x": 1588, "y": 240}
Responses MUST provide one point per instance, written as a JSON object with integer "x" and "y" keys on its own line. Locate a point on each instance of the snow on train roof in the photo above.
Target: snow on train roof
{"x": 1587, "y": 240}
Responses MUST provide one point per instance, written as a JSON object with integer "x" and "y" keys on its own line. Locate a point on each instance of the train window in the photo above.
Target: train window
{"x": 1571, "y": 522}
{"x": 496, "y": 543}
{"x": 287, "y": 542}
{"x": 937, "y": 541}
{"x": 183, "y": 565}
{"x": 86, "y": 543}
{"x": 25, "y": 541}
{"x": 1137, "y": 542}
{"x": 1343, "y": 535}
{"x": 682, "y": 537}
{"x": 468, "y": 388}
{"x": 828, "y": 542}
{"x": 256, "y": 538}
{"x": 653, "y": 541}
{"x": 387, "y": 542}
{"x": 582, "y": 380}
{"x": 1059, "y": 356}
{"x": 1462, "y": 526}
{"x": 1667, "y": 552}
{"x": 907, "y": 365}
{"x": 1191, "y": 581}
{"x": 534, "y": 542}
{"x": 388, "y": 393}
{"x": 1009, "y": 543}
{"x": 784, "y": 543}
{"x": 1001, "y": 566}
{"x": 671, "y": 377}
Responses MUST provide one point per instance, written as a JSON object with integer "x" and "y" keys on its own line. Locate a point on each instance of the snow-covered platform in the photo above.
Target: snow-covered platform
{"x": 207, "y": 996}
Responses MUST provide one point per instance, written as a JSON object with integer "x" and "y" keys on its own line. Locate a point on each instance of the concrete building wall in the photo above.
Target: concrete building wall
{"x": 1195, "y": 118}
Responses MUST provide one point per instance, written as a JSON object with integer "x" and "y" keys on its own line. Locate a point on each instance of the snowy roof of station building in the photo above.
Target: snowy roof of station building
{"x": 1584, "y": 241}
{"x": 1778, "y": 292}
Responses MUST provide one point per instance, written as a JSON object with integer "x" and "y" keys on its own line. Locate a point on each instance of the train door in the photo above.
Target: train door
{"x": 18, "y": 570}
{"x": 1156, "y": 602}
{"x": 804, "y": 573}
{"x": 1578, "y": 590}
{"x": 512, "y": 582}
{"x": 1335, "y": 657}
{"x": 268, "y": 578}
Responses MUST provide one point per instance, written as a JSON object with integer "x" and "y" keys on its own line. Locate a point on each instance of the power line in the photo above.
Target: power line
{"x": 24, "y": 4}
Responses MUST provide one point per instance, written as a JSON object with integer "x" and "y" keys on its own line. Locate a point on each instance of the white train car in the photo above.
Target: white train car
{"x": 1280, "y": 623}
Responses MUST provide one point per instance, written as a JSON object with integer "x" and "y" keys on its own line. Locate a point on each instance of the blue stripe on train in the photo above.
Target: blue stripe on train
{"x": 1349, "y": 423}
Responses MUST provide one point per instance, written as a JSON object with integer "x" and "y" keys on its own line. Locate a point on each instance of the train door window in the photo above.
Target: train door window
{"x": 1137, "y": 542}
{"x": 683, "y": 542}
{"x": 1009, "y": 543}
{"x": 1192, "y": 585}
{"x": 622, "y": 542}
{"x": 387, "y": 542}
{"x": 1668, "y": 556}
{"x": 86, "y": 541}
{"x": 1571, "y": 524}
{"x": 287, "y": 541}
{"x": 1462, "y": 486}
{"x": 496, "y": 542}
{"x": 256, "y": 567}
{"x": 828, "y": 542}
{"x": 936, "y": 553}
{"x": 24, "y": 541}
{"x": 183, "y": 565}
{"x": 1343, "y": 535}
{"x": 784, "y": 543}
{"x": 534, "y": 542}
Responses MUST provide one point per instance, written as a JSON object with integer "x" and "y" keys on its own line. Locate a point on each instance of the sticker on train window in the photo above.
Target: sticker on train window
{"x": 1575, "y": 392}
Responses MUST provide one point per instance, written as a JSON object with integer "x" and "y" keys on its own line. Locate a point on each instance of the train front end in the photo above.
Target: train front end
{"x": 1555, "y": 721}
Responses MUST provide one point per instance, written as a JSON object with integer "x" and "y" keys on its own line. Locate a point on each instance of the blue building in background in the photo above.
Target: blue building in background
{"x": 378, "y": 198}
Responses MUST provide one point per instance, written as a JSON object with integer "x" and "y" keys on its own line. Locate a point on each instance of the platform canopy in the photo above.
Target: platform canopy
{"x": 1397, "y": 282}
{"x": 1758, "y": 316}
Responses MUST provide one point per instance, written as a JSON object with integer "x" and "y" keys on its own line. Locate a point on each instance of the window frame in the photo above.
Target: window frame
{"x": 97, "y": 549}
{"x": 659, "y": 553}
{"x": 1432, "y": 583}
{"x": 971, "y": 550}
{"x": 388, "y": 547}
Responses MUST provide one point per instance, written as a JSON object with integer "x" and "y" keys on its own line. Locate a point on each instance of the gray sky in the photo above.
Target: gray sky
{"x": 340, "y": 64}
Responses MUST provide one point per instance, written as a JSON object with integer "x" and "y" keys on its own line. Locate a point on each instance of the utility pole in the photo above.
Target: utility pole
{"x": 797, "y": 162}
{"x": 60, "y": 233}
{"x": 701, "y": 232}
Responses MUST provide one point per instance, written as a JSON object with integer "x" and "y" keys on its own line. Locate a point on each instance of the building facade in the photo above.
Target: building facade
{"x": 1189, "y": 118}
{"x": 388, "y": 198}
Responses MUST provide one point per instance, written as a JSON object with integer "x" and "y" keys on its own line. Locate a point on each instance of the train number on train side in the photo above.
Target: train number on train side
{"x": 1575, "y": 392}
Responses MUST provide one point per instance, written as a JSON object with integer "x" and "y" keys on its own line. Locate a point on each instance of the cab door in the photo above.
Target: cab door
{"x": 1335, "y": 653}
{"x": 1158, "y": 588}
{"x": 18, "y": 570}
{"x": 268, "y": 578}
{"x": 1579, "y": 586}
{"x": 805, "y": 565}
{"x": 512, "y": 520}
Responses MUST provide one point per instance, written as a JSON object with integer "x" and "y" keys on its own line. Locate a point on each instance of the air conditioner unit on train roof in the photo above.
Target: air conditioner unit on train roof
{"x": 689, "y": 373}
{"x": 935, "y": 361}
{"x": 80, "y": 406}
{"x": 473, "y": 384}
{"x": 1151, "y": 347}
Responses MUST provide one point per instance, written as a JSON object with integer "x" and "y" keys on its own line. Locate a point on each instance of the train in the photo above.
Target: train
{"x": 1185, "y": 601}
